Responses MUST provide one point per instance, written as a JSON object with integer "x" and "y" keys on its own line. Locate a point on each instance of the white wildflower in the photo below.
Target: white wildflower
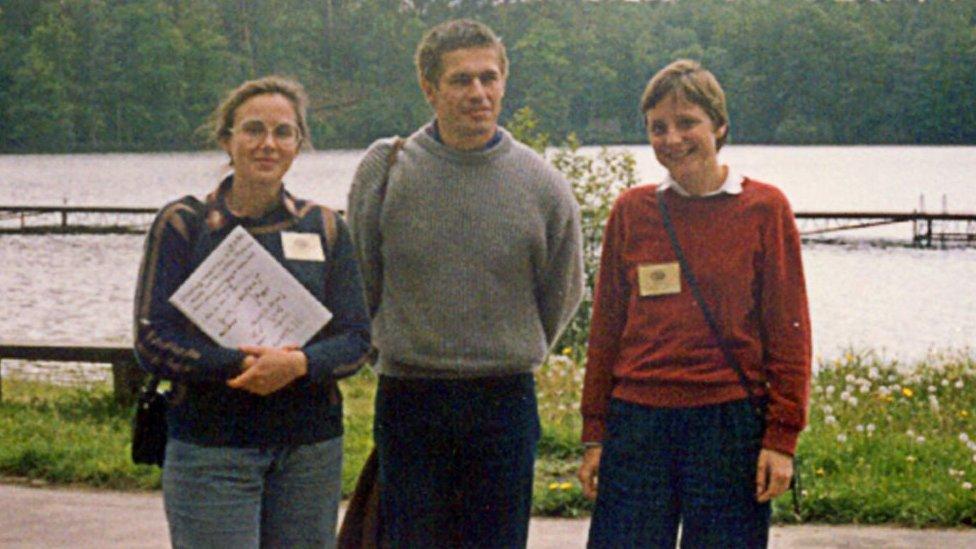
{"x": 830, "y": 389}
{"x": 828, "y": 409}
{"x": 873, "y": 373}
{"x": 963, "y": 437}
{"x": 959, "y": 384}
{"x": 920, "y": 439}
{"x": 830, "y": 420}
{"x": 849, "y": 378}
{"x": 945, "y": 383}
{"x": 967, "y": 486}
{"x": 842, "y": 438}
{"x": 870, "y": 427}
{"x": 932, "y": 388}
{"x": 852, "y": 401}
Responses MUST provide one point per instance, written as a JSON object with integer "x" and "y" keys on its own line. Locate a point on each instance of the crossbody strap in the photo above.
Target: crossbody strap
{"x": 706, "y": 311}
{"x": 391, "y": 159}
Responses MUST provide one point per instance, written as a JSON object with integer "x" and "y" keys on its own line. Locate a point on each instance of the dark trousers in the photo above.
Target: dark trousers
{"x": 456, "y": 460}
{"x": 693, "y": 466}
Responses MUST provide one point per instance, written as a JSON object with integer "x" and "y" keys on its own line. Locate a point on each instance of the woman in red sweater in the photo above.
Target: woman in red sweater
{"x": 671, "y": 432}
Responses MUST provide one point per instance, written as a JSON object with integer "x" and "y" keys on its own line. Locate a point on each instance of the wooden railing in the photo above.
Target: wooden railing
{"x": 126, "y": 374}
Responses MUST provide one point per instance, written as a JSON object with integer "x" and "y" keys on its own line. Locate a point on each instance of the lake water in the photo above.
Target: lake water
{"x": 900, "y": 302}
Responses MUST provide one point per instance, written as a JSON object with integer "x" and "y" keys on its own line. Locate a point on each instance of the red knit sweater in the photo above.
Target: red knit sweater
{"x": 658, "y": 351}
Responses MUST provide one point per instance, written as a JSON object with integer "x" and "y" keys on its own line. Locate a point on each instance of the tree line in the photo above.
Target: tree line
{"x": 107, "y": 75}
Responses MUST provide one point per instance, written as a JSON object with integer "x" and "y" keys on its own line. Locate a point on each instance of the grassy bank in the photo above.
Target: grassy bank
{"x": 886, "y": 444}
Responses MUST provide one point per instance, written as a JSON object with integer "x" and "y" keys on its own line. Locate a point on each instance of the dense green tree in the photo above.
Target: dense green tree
{"x": 144, "y": 74}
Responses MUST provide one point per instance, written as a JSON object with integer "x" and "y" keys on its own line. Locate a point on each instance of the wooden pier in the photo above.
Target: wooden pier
{"x": 74, "y": 219}
{"x": 927, "y": 229}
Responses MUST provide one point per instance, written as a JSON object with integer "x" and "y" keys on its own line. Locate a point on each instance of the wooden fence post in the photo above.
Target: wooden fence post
{"x": 127, "y": 379}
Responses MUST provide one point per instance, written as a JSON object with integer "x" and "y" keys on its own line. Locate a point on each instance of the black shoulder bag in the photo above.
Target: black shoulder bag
{"x": 149, "y": 425}
{"x": 757, "y": 405}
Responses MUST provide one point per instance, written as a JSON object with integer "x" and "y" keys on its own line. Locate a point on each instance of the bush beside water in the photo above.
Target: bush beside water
{"x": 886, "y": 443}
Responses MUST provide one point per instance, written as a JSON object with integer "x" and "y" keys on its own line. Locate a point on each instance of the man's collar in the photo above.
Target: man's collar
{"x": 435, "y": 132}
{"x": 731, "y": 185}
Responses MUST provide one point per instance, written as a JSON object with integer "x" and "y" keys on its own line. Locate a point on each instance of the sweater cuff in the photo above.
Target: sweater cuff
{"x": 593, "y": 429}
{"x": 781, "y": 438}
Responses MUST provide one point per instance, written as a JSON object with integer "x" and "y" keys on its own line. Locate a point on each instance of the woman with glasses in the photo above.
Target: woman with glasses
{"x": 254, "y": 450}
{"x": 674, "y": 434}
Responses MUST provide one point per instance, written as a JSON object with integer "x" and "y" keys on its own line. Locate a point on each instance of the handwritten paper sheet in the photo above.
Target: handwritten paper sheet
{"x": 241, "y": 295}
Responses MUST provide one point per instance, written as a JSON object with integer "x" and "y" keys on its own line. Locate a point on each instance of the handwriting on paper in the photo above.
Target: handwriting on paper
{"x": 241, "y": 295}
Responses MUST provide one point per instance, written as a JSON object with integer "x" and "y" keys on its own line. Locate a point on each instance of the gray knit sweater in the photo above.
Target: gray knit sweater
{"x": 473, "y": 260}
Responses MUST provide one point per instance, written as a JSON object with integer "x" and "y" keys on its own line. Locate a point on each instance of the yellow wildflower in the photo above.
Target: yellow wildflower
{"x": 911, "y": 459}
{"x": 821, "y": 472}
{"x": 963, "y": 413}
{"x": 907, "y": 392}
{"x": 553, "y": 485}
{"x": 565, "y": 486}
{"x": 567, "y": 351}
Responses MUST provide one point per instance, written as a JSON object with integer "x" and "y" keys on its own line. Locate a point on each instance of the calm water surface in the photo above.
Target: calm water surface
{"x": 900, "y": 302}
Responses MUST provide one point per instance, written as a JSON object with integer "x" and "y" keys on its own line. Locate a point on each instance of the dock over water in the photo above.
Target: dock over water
{"x": 929, "y": 230}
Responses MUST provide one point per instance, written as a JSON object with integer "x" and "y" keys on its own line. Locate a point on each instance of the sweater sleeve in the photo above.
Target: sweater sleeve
{"x": 610, "y": 299}
{"x": 166, "y": 344}
{"x": 365, "y": 205}
{"x": 560, "y": 287}
{"x": 786, "y": 331}
{"x": 341, "y": 353}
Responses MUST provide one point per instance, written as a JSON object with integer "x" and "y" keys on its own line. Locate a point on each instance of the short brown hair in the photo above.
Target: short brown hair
{"x": 453, "y": 35}
{"x": 222, "y": 119}
{"x": 690, "y": 80}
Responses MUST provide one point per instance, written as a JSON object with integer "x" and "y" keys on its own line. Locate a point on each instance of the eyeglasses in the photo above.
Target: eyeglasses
{"x": 285, "y": 134}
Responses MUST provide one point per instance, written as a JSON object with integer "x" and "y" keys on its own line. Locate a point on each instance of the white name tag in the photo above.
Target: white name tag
{"x": 659, "y": 279}
{"x": 302, "y": 246}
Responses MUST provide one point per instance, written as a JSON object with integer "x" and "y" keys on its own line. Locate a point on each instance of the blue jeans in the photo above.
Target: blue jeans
{"x": 456, "y": 460}
{"x": 218, "y": 496}
{"x": 693, "y": 466}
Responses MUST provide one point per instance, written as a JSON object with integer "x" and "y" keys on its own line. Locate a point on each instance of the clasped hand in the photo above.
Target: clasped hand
{"x": 268, "y": 369}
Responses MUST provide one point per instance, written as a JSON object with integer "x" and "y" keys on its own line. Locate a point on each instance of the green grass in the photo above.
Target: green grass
{"x": 902, "y": 450}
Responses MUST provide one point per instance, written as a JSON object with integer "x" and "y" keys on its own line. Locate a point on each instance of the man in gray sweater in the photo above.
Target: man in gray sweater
{"x": 471, "y": 252}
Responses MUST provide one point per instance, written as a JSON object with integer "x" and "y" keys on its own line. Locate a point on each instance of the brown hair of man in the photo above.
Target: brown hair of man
{"x": 454, "y": 35}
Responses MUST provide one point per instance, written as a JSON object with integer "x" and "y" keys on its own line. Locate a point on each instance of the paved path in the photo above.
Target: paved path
{"x": 57, "y": 517}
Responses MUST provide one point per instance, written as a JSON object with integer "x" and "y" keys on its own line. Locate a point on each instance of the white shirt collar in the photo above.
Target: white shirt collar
{"x": 731, "y": 185}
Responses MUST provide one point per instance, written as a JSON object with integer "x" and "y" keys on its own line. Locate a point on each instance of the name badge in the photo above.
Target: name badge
{"x": 302, "y": 246}
{"x": 659, "y": 279}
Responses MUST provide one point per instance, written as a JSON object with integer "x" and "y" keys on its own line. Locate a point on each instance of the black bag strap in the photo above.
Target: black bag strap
{"x": 391, "y": 159}
{"x": 730, "y": 359}
{"x": 686, "y": 271}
